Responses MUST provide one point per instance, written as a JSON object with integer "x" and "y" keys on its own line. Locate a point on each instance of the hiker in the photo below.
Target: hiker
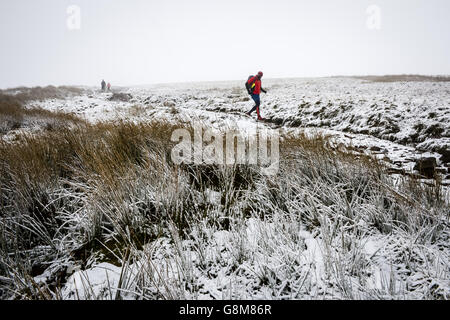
{"x": 109, "y": 86}
{"x": 103, "y": 85}
{"x": 254, "y": 84}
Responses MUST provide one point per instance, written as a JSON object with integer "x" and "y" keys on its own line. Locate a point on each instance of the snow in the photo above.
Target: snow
{"x": 93, "y": 283}
{"x": 397, "y": 118}
{"x": 371, "y": 118}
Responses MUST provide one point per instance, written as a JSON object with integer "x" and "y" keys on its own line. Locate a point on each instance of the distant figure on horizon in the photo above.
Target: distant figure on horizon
{"x": 109, "y": 86}
{"x": 103, "y": 85}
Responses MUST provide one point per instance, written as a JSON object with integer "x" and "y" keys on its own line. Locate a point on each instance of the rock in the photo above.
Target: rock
{"x": 169, "y": 104}
{"x": 375, "y": 148}
{"x": 426, "y": 166}
{"x": 445, "y": 155}
{"x": 124, "y": 97}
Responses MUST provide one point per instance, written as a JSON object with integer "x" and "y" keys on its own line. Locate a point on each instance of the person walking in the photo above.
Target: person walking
{"x": 103, "y": 85}
{"x": 109, "y": 86}
{"x": 254, "y": 85}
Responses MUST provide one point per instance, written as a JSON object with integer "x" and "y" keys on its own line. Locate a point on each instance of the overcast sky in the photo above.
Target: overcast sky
{"x": 131, "y": 42}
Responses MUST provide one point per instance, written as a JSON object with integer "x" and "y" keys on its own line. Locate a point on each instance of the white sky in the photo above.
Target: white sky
{"x": 131, "y": 42}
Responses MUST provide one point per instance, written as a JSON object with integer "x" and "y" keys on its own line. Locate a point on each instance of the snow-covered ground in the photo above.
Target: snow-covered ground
{"x": 166, "y": 260}
{"x": 400, "y": 122}
{"x": 279, "y": 258}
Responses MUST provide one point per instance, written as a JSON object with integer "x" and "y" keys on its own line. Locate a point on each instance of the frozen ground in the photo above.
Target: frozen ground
{"x": 278, "y": 258}
{"x": 400, "y": 122}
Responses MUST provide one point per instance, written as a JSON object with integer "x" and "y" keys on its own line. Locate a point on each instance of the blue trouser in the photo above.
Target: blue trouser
{"x": 255, "y": 98}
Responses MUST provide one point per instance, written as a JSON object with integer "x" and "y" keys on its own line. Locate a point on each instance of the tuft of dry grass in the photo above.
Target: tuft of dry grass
{"x": 13, "y": 115}
{"x": 24, "y": 94}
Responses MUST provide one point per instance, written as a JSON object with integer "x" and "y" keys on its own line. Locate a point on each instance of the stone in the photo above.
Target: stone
{"x": 426, "y": 166}
{"x": 123, "y": 97}
{"x": 375, "y": 148}
{"x": 445, "y": 155}
{"x": 169, "y": 104}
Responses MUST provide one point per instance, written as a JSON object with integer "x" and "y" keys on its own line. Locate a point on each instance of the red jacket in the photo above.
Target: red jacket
{"x": 257, "y": 87}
